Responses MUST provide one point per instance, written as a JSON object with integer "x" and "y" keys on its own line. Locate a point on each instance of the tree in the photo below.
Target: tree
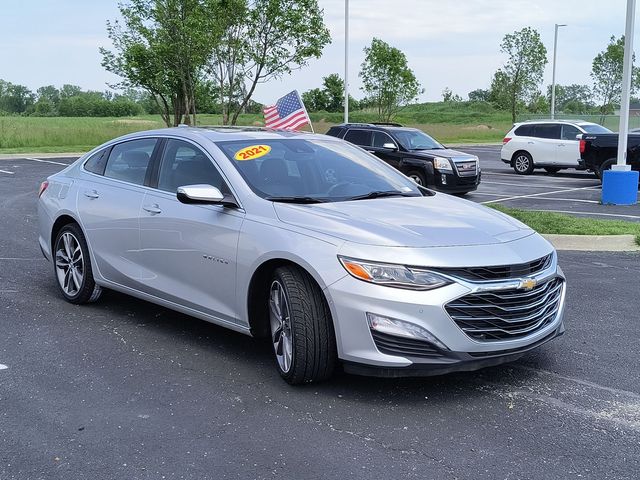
{"x": 606, "y": 72}
{"x": 519, "y": 78}
{"x": 162, "y": 47}
{"x": 264, "y": 40}
{"x": 387, "y": 79}
{"x": 572, "y": 98}
{"x": 329, "y": 98}
{"x": 15, "y": 98}
{"x": 479, "y": 95}
{"x": 449, "y": 96}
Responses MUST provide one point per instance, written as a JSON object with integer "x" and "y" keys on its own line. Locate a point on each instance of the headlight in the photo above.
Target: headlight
{"x": 399, "y": 276}
{"x": 441, "y": 163}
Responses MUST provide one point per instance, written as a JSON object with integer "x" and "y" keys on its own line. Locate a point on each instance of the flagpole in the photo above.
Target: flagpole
{"x": 346, "y": 61}
{"x": 305, "y": 110}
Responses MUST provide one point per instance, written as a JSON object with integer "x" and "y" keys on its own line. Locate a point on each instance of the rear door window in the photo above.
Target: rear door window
{"x": 97, "y": 162}
{"x": 128, "y": 161}
{"x": 359, "y": 137}
{"x": 544, "y": 130}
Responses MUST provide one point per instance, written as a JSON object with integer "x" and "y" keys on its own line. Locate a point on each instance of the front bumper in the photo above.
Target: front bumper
{"x": 458, "y": 362}
{"x": 453, "y": 183}
{"x": 350, "y": 300}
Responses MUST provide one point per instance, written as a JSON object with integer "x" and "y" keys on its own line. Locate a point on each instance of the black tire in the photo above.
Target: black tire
{"x": 77, "y": 292}
{"x": 314, "y": 354}
{"x": 606, "y": 165}
{"x": 418, "y": 177}
{"x": 522, "y": 163}
{"x": 552, "y": 169}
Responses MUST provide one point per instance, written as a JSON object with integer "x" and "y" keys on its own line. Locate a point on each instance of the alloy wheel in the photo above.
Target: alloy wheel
{"x": 280, "y": 320}
{"x": 69, "y": 264}
{"x": 416, "y": 178}
{"x": 522, "y": 163}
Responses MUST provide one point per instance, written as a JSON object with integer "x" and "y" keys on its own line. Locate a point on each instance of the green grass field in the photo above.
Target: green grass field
{"x": 449, "y": 123}
{"x": 558, "y": 223}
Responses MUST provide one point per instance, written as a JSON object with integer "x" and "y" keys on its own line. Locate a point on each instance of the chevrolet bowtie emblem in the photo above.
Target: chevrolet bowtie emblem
{"x": 528, "y": 283}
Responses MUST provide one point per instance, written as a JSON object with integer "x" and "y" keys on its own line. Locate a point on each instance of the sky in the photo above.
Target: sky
{"x": 448, "y": 43}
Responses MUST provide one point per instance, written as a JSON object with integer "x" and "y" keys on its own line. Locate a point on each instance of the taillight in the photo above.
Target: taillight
{"x": 43, "y": 187}
{"x": 505, "y": 140}
{"x": 583, "y": 146}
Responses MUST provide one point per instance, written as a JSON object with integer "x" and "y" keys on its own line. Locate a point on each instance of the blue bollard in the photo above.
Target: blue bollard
{"x": 619, "y": 187}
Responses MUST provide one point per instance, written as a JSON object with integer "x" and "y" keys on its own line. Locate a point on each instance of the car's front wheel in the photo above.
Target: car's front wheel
{"x": 72, "y": 266}
{"x": 418, "y": 177}
{"x": 301, "y": 327}
{"x": 523, "y": 163}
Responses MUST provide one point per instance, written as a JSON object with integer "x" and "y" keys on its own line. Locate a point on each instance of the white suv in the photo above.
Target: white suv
{"x": 550, "y": 144}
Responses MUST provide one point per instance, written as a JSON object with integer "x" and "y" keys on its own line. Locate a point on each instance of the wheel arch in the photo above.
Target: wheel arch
{"x": 62, "y": 220}
{"x": 519, "y": 151}
{"x": 258, "y": 292}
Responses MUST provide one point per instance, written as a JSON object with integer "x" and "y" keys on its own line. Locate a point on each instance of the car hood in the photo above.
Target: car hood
{"x": 445, "y": 152}
{"x": 436, "y": 221}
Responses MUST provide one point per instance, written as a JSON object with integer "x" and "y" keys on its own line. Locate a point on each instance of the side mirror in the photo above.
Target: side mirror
{"x": 204, "y": 195}
{"x": 390, "y": 146}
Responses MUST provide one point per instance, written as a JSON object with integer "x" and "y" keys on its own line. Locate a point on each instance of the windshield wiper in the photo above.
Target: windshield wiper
{"x": 381, "y": 193}
{"x": 295, "y": 199}
{"x": 428, "y": 148}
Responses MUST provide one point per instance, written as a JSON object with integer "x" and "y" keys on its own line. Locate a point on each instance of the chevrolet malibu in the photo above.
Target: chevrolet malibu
{"x": 307, "y": 240}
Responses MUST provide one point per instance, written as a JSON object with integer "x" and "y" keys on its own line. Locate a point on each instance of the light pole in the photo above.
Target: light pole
{"x": 346, "y": 61}
{"x": 553, "y": 77}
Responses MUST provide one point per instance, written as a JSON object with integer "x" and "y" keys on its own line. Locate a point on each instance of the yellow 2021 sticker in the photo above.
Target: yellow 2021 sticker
{"x": 252, "y": 152}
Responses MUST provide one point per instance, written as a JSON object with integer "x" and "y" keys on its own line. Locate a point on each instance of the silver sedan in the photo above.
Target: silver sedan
{"x": 307, "y": 240}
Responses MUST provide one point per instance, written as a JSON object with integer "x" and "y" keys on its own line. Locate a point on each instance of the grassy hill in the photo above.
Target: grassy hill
{"x": 463, "y": 122}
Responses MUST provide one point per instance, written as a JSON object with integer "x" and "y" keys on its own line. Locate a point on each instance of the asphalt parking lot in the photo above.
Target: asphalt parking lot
{"x": 568, "y": 191}
{"x": 123, "y": 389}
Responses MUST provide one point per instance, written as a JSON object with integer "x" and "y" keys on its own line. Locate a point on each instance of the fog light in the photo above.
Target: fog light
{"x": 399, "y": 328}
{"x": 444, "y": 179}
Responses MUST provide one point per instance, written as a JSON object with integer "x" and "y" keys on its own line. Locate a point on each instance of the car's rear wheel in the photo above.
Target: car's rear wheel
{"x": 417, "y": 177}
{"x": 523, "y": 163}
{"x": 606, "y": 165}
{"x": 72, "y": 266}
{"x": 301, "y": 327}
{"x": 552, "y": 169}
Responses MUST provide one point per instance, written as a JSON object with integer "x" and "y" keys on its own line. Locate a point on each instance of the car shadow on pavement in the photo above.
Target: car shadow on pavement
{"x": 248, "y": 360}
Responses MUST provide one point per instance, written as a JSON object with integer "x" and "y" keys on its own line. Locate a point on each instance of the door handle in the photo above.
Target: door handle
{"x": 531, "y": 143}
{"x": 152, "y": 209}
{"x": 561, "y": 144}
{"x": 371, "y": 151}
{"x": 91, "y": 194}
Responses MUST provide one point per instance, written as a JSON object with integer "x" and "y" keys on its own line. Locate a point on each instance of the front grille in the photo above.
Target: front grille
{"x": 507, "y": 314}
{"x": 513, "y": 351}
{"x": 500, "y": 272}
{"x": 467, "y": 168}
{"x": 407, "y": 347}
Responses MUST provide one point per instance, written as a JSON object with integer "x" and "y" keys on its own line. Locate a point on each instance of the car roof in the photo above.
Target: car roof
{"x": 376, "y": 126}
{"x": 570, "y": 122}
{"x": 222, "y": 133}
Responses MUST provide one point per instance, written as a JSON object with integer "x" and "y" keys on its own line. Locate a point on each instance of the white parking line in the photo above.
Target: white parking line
{"x": 488, "y": 194}
{"x": 7, "y": 171}
{"x": 522, "y": 185}
{"x": 534, "y": 178}
{"x": 3, "y": 367}
{"x": 46, "y": 161}
{"x": 539, "y": 194}
{"x": 579, "y": 200}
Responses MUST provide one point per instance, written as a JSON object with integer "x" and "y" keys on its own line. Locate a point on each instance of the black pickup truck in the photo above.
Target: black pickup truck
{"x": 599, "y": 151}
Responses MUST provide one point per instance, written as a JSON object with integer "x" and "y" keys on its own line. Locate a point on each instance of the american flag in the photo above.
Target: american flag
{"x": 288, "y": 113}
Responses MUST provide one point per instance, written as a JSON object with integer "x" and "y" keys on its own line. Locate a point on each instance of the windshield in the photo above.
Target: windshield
{"x": 310, "y": 170}
{"x": 412, "y": 139}
{"x": 595, "y": 129}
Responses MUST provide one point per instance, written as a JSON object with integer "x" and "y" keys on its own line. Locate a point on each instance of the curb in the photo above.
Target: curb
{"x": 594, "y": 243}
{"x": 14, "y": 156}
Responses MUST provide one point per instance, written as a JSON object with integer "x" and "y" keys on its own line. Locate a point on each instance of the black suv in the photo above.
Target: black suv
{"x": 415, "y": 154}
